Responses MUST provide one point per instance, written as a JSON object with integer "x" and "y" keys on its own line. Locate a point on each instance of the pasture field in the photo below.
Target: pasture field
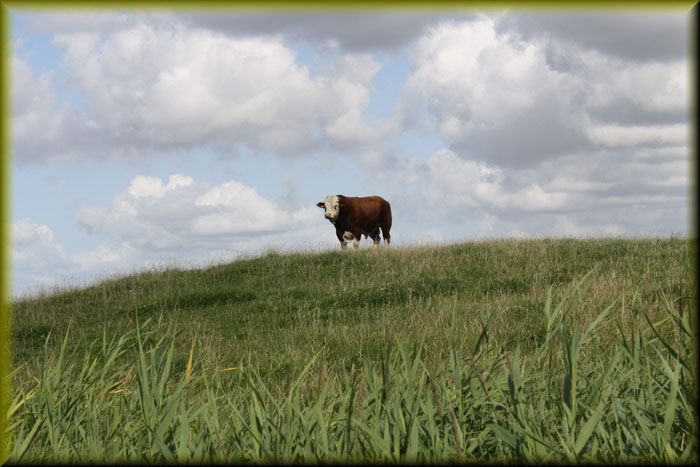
{"x": 500, "y": 350}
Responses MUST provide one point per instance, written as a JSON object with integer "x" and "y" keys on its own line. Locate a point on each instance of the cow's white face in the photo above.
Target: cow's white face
{"x": 331, "y": 207}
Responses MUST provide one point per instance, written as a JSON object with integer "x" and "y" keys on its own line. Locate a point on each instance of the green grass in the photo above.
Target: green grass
{"x": 477, "y": 351}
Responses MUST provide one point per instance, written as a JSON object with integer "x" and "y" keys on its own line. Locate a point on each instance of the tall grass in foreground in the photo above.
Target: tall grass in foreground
{"x": 575, "y": 398}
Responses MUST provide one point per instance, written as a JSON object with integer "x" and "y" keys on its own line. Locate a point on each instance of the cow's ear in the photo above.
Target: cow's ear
{"x": 321, "y": 205}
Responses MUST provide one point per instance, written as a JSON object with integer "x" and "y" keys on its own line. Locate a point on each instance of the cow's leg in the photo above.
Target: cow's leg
{"x": 385, "y": 233}
{"x": 349, "y": 237}
{"x": 374, "y": 235}
{"x": 341, "y": 239}
{"x": 355, "y": 236}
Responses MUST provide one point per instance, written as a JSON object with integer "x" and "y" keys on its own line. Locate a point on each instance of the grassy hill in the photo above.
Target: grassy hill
{"x": 308, "y": 321}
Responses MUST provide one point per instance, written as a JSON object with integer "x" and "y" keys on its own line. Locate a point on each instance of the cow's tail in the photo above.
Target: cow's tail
{"x": 388, "y": 214}
{"x": 387, "y": 223}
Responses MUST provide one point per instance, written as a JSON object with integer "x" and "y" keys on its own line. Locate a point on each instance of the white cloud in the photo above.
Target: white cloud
{"x": 33, "y": 245}
{"x": 142, "y": 186}
{"x": 457, "y": 184}
{"x": 151, "y": 89}
{"x": 496, "y": 98}
{"x": 152, "y": 216}
{"x": 42, "y": 127}
{"x": 596, "y": 193}
{"x": 347, "y": 83}
{"x": 654, "y": 86}
{"x": 237, "y": 209}
{"x": 493, "y": 97}
{"x": 107, "y": 256}
{"x": 638, "y": 135}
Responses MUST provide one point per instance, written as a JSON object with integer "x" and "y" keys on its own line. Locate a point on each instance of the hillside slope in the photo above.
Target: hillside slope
{"x": 279, "y": 310}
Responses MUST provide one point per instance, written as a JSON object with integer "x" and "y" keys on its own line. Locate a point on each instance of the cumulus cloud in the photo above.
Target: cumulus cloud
{"x": 596, "y": 193}
{"x": 34, "y": 245}
{"x": 492, "y": 97}
{"x": 638, "y": 135}
{"x": 639, "y": 35}
{"x": 653, "y": 87}
{"x": 497, "y": 98}
{"x": 458, "y": 185}
{"x": 158, "y": 217}
{"x": 495, "y": 90}
{"x": 106, "y": 256}
{"x": 235, "y": 209}
{"x": 42, "y": 126}
{"x": 147, "y": 89}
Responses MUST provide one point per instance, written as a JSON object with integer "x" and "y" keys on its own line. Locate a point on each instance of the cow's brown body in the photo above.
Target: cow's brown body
{"x": 354, "y": 217}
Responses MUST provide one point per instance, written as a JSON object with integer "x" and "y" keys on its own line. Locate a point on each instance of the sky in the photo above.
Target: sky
{"x": 144, "y": 140}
